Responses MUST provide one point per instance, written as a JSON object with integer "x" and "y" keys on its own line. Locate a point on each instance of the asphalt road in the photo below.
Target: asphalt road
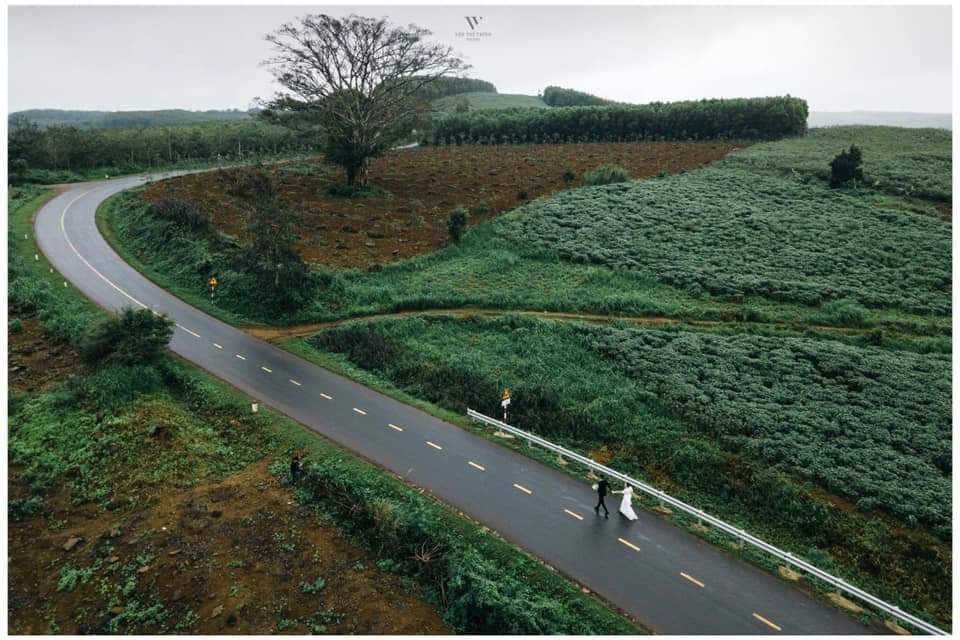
{"x": 669, "y": 580}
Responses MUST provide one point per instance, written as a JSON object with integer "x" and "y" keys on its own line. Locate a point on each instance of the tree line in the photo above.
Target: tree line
{"x": 33, "y": 150}
{"x": 739, "y": 118}
{"x": 560, "y": 97}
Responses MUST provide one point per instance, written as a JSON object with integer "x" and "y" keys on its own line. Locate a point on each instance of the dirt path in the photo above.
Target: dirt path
{"x": 278, "y": 334}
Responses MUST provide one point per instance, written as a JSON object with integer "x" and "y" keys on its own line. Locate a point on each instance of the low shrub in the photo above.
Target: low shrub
{"x": 607, "y": 174}
{"x": 457, "y": 224}
{"x": 181, "y": 211}
{"x": 568, "y": 176}
{"x": 845, "y": 167}
{"x": 130, "y": 337}
{"x": 14, "y": 326}
{"x": 843, "y": 312}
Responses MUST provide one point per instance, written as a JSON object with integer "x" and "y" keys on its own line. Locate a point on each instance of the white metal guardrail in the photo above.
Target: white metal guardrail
{"x": 790, "y": 559}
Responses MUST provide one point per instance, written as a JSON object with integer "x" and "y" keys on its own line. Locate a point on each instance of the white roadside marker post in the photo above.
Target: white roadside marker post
{"x": 254, "y": 406}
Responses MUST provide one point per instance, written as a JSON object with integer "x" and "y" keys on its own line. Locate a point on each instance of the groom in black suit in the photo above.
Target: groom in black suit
{"x": 603, "y": 487}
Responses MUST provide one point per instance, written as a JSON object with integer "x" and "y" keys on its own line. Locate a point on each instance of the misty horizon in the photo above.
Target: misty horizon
{"x": 208, "y": 58}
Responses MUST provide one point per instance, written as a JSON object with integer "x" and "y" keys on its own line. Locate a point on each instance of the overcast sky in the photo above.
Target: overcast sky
{"x": 838, "y": 58}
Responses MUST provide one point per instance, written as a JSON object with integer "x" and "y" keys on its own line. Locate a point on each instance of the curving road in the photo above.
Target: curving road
{"x": 669, "y": 580}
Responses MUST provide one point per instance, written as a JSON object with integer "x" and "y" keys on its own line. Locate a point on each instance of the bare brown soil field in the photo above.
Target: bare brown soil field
{"x": 422, "y": 186}
{"x": 225, "y": 557}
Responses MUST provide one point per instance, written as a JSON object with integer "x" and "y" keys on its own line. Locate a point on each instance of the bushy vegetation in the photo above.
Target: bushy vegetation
{"x": 846, "y": 167}
{"x": 744, "y": 118}
{"x": 65, "y": 153}
{"x": 908, "y": 163}
{"x": 730, "y": 231}
{"x": 457, "y": 224}
{"x": 182, "y": 212}
{"x": 755, "y": 428}
{"x": 607, "y": 174}
{"x": 560, "y": 97}
{"x": 131, "y": 337}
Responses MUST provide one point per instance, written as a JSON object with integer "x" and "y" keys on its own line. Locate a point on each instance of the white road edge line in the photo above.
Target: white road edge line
{"x": 292, "y": 381}
{"x": 571, "y": 513}
{"x": 217, "y": 346}
{"x": 360, "y": 411}
{"x": 266, "y": 369}
{"x": 435, "y": 446}
{"x": 194, "y": 334}
{"x": 522, "y": 488}
{"x": 240, "y": 356}
{"x": 629, "y": 544}
{"x": 63, "y": 230}
{"x": 475, "y": 465}
{"x": 692, "y": 579}
{"x": 323, "y": 395}
{"x": 766, "y": 622}
{"x": 394, "y": 427}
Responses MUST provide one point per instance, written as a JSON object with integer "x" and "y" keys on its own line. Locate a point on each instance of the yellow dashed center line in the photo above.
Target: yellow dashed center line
{"x": 522, "y": 488}
{"x": 435, "y": 446}
{"x": 360, "y": 411}
{"x": 394, "y": 427}
{"x": 292, "y": 381}
{"x": 195, "y": 335}
{"x": 766, "y": 622}
{"x": 217, "y": 346}
{"x": 692, "y": 579}
{"x": 572, "y": 514}
{"x": 629, "y": 544}
{"x": 475, "y": 465}
{"x": 240, "y": 356}
{"x": 267, "y": 370}
{"x": 323, "y": 395}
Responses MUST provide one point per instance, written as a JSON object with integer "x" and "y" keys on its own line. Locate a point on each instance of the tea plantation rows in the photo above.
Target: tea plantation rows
{"x": 861, "y": 422}
{"x": 867, "y": 423}
{"x": 730, "y": 231}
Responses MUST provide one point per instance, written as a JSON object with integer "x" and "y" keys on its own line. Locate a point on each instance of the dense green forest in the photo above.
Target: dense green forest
{"x": 124, "y": 119}
{"x": 747, "y": 118}
{"x": 64, "y": 153}
{"x": 560, "y": 97}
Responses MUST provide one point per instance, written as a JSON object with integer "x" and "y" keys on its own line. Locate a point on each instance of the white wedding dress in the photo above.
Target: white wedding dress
{"x": 626, "y": 506}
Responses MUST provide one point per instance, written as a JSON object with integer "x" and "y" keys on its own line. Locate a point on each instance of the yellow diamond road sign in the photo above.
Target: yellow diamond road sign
{"x": 505, "y": 398}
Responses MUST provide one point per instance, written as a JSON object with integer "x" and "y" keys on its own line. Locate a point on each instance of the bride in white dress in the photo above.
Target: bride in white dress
{"x": 626, "y": 504}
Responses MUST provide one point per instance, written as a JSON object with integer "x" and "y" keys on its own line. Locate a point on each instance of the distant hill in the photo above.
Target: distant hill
{"x": 487, "y": 100}
{"x": 885, "y": 118}
{"x": 126, "y": 119}
{"x": 560, "y": 97}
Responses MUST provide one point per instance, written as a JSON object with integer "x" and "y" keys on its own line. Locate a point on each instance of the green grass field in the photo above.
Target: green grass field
{"x": 485, "y": 100}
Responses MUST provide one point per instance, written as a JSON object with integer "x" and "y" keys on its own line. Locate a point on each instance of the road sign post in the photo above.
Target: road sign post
{"x": 212, "y": 282}
{"x": 504, "y": 402}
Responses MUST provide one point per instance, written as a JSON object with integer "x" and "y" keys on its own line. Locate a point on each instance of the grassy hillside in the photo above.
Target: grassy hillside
{"x": 673, "y": 246}
{"x": 486, "y": 100}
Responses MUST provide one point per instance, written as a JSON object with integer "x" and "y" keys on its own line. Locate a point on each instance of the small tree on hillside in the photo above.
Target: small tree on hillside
{"x": 271, "y": 230}
{"x": 355, "y": 81}
{"x": 846, "y": 167}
